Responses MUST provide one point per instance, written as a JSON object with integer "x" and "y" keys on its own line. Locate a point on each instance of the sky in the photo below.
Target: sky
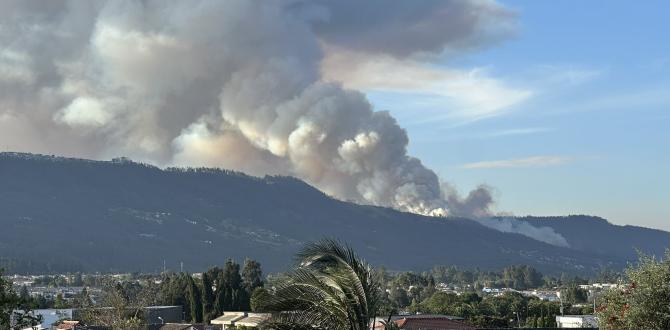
{"x": 574, "y": 119}
{"x": 463, "y": 108}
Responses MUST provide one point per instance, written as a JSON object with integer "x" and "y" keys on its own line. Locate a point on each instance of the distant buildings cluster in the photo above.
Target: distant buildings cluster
{"x": 172, "y": 317}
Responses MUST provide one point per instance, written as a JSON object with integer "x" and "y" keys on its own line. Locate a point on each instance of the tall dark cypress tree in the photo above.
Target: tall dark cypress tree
{"x": 252, "y": 278}
{"x": 178, "y": 293}
{"x": 221, "y": 291}
{"x": 207, "y": 298}
{"x": 215, "y": 276}
{"x": 195, "y": 301}
{"x": 232, "y": 284}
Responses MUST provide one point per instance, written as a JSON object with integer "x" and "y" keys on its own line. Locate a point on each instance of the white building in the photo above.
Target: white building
{"x": 232, "y": 319}
{"x": 227, "y": 320}
{"x": 576, "y": 321}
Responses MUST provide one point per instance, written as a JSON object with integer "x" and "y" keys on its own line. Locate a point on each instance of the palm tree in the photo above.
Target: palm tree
{"x": 332, "y": 288}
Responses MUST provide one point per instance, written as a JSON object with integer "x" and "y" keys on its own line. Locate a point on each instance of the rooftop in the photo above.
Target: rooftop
{"x": 228, "y": 318}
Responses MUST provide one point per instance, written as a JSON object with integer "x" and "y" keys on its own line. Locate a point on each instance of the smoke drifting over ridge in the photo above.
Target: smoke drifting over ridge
{"x": 235, "y": 84}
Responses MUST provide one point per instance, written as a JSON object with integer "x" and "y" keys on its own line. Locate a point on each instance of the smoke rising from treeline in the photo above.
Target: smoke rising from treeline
{"x": 234, "y": 84}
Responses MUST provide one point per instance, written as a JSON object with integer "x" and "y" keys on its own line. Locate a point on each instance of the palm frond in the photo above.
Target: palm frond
{"x": 332, "y": 289}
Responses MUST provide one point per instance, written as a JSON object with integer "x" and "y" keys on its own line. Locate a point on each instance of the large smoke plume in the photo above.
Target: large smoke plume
{"x": 235, "y": 84}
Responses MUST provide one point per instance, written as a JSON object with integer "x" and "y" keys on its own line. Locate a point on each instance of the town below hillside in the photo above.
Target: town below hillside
{"x": 445, "y": 293}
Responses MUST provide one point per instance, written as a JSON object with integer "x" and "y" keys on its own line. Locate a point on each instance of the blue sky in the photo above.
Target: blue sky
{"x": 568, "y": 116}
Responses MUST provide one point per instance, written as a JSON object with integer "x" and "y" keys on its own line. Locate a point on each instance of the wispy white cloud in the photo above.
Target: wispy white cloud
{"x": 457, "y": 94}
{"x": 535, "y": 161}
{"x": 484, "y": 135}
{"x": 516, "y": 131}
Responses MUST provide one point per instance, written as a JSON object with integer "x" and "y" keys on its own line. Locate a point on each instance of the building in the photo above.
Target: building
{"x": 577, "y": 321}
{"x": 427, "y": 322}
{"x": 182, "y": 326}
{"x": 542, "y": 295}
{"x": 163, "y": 314}
{"x": 246, "y": 319}
{"x": 253, "y": 320}
{"x": 227, "y": 319}
{"x": 67, "y": 325}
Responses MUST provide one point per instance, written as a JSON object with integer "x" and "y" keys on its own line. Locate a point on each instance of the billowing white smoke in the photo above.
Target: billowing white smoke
{"x": 235, "y": 84}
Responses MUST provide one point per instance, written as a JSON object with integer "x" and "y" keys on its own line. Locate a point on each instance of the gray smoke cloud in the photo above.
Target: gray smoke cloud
{"x": 510, "y": 225}
{"x": 235, "y": 84}
{"x": 475, "y": 206}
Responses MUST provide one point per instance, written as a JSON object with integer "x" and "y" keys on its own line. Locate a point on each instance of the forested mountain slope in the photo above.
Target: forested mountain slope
{"x": 61, "y": 214}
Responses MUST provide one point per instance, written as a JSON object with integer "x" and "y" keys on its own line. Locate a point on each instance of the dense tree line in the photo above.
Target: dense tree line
{"x": 54, "y": 281}
{"x": 219, "y": 289}
{"x": 518, "y": 277}
{"x": 30, "y": 266}
{"x": 420, "y": 293}
{"x": 507, "y": 310}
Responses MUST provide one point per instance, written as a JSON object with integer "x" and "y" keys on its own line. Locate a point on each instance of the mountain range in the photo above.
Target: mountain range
{"x": 63, "y": 214}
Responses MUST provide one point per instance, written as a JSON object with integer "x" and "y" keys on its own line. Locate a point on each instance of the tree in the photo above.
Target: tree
{"x": 331, "y": 289}
{"x": 195, "y": 301}
{"x": 126, "y": 306}
{"x": 78, "y": 280}
{"x": 606, "y": 275}
{"x": 441, "y": 303}
{"x": 531, "y": 322}
{"x": 259, "y": 295}
{"x": 252, "y": 278}
{"x": 24, "y": 295}
{"x": 386, "y": 307}
{"x": 229, "y": 295}
{"x": 83, "y": 300}
{"x": 60, "y": 302}
{"x": 522, "y": 277}
{"x": 174, "y": 291}
{"x": 207, "y": 297}
{"x": 414, "y": 307}
{"x": 549, "y": 322}
{"x": 574, "y": 295}
{"x": 13, "y": 307}
{"x": 429, "y": 289}
{"x": 252, "y": 275}
{"x": 643, "y": 302}
{"x": 399, "y": 297}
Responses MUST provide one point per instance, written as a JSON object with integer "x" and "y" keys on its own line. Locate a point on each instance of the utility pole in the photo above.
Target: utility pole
{"x": 163, "y": 266}
{"x": 181, "y": 266}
